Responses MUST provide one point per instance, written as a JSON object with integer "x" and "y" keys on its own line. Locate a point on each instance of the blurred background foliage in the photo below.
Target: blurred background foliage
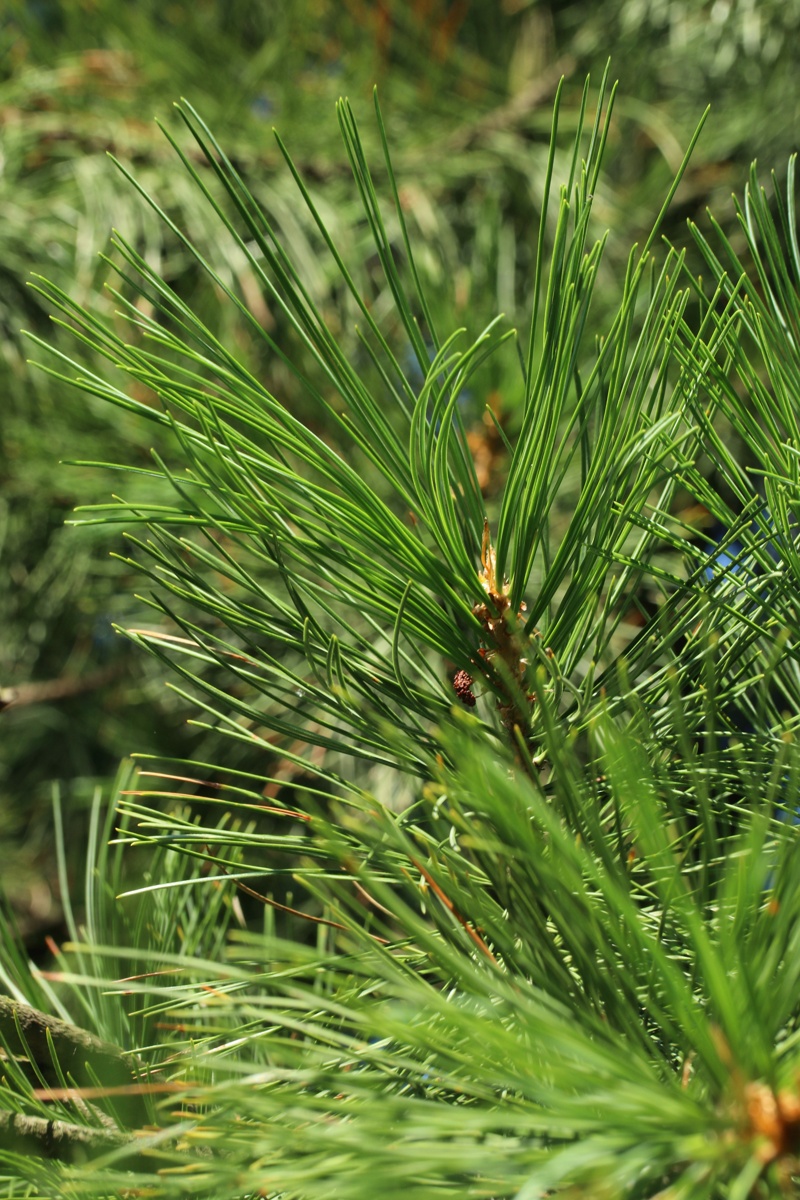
{"x": 466, "y": 88}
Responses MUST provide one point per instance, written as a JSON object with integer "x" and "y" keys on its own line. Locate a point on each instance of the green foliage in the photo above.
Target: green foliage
{"x": 364, "y": 569}
{"x": 79, "y": 80}
{"x": 467, "y": 91}
{"x": 569, "y": 966}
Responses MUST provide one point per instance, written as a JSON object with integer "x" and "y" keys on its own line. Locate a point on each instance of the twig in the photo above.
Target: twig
{"x": 72, "y": 1044}
{"x": 538, "y": 92}
{"x": 81, "y": 1055}
{"x": 63, "y": 1140}
{"x": 53, "y": 1139}
{"x": 55, "y": 689}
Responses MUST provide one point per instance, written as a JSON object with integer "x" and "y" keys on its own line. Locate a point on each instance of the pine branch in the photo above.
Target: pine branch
{"x": 80, "y": 1054}
{"x": 63, "y": 1140}
{"x": 25, "y": 1032}
{"x": 53, "y": 1139}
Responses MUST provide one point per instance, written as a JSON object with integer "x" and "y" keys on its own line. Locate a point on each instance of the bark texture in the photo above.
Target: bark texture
{"x": 81, "y": 1056}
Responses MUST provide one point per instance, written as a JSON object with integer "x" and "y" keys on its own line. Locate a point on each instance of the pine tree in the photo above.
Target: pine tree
{"x": 568, "y": 965}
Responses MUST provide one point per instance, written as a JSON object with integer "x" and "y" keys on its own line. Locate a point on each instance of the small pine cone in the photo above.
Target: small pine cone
{"x": 462, "y": 684}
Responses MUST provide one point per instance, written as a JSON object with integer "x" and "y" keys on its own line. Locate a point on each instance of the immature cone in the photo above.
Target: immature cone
{"x": 462, "y": 683}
